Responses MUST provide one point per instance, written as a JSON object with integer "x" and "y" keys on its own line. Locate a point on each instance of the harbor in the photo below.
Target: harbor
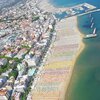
{"x": 51, "y": 53}
{"x": 62, "y": 62}
{"x": 91, "y": 35}
{"x": 84, "y": 84}
{"x": 77, "y": 10}
{"x": 85, "y": 78}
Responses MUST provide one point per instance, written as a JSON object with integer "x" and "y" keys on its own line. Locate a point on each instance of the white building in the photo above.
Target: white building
{"x": 3, "y": 62}
{"x": 4, "y": 95}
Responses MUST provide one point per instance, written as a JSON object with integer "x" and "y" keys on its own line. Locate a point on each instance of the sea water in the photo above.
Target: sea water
{"x": 85, "y": 82}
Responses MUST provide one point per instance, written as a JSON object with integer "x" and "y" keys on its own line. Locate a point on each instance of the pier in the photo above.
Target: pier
{"x": 77, "y": 10}
{"x": 96, "y": 10}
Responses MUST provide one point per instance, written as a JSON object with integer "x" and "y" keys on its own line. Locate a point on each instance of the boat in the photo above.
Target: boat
{"x": 92, "y": 35}
{"x": 94, "y": 31}
{"x": 92, "y": 19}
{"x": 92, "y": 25}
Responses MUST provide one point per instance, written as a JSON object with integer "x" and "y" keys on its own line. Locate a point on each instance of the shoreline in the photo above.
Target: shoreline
{"x": 82, "y": 47}
{"x": 63, "y": 60}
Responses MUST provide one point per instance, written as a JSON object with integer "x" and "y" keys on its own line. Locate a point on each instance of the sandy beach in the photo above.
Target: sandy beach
{"x": 56, "y": 74}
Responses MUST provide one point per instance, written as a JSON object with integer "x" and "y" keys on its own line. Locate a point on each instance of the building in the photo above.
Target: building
{"x": 21, "y": 69}
{"x": 32, "y": 61}
{"x": 3, "y": 62}
{"x": 9, "y": 84}
{"x": 16, "y": 96}
{"x": 4, "y": 94}
{"x": 21, "y": 83}
{"x": 3, "y": 79}
{"x": 31, "y": 71}
{"x": 21, "y": 53}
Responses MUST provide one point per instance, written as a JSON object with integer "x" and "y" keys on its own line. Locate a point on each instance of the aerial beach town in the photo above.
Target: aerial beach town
{"x": 38, "y": 49}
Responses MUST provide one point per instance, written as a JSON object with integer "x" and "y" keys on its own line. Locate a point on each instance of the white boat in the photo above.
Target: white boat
{"x": 92, "y": 25}
{"x": 92, "y": 35}
{"x": 94, "y": 31}
{"x": 92, "y": 19}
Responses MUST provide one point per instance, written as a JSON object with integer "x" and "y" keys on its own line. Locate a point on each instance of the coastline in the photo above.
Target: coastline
{"x": 58, "y": 50}
{"x": 82, "y": 47}
{"x": 70, "y": 38}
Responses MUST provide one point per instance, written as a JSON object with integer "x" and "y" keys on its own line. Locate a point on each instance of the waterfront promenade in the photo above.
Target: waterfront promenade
{"x": 51, "y": 81}
{"x": 55, "y": 76}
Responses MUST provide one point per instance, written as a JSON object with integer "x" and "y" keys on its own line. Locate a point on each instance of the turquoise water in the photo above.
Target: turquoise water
{"x": 66, "y": 3}
{"x": 85, "y": 83}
